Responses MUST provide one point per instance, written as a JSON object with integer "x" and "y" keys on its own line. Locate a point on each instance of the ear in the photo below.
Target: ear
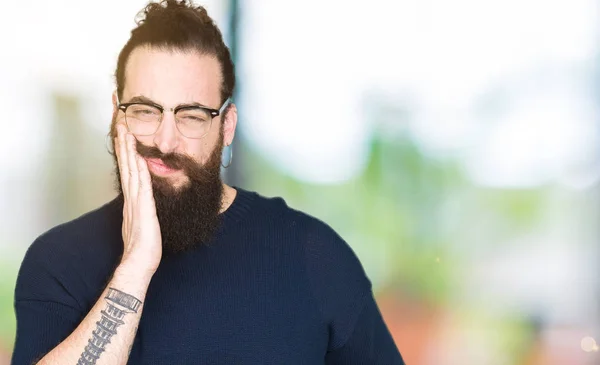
{"x": 229, "y": 124}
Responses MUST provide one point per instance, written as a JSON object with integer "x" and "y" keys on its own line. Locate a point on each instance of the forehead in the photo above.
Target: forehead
{"x": 172, "y": 77}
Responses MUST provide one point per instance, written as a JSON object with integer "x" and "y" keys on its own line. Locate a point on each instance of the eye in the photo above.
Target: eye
{"x": 143, "y": 110}
{"x": 195, "y": 115}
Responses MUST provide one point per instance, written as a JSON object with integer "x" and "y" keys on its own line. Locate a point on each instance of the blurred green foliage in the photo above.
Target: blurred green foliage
{"x": 8, "y": 277}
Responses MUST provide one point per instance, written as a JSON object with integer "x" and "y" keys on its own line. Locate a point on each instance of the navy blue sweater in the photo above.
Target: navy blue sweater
{"x": 275, "y": 286}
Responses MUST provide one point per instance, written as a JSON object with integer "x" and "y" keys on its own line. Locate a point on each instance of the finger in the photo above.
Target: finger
{"x": 134, "y": 180}
{"x": 117, "y": 154}
{"x": 144, "y": 176}
{"x": 124, "y": 173}
{"x": 122, "y": 160}
{"x": 147, "y": 203}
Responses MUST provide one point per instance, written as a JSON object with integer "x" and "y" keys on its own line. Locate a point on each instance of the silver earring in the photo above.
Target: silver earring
{"x": 107, "y": 144}
{"x": 230, "y": 157}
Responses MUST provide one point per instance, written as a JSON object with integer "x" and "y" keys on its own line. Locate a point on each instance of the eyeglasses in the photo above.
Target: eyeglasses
{"x": 192, "y": 121}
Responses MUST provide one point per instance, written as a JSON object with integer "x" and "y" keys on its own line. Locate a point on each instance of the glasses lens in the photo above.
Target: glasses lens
{"x": 193, "y": 122}
{"x": 143, "y": 119}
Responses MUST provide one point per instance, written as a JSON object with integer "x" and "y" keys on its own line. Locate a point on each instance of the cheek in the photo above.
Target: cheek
{"x": 202, "y": 149}
{"x": 146, "y": 140}
{"x": 196, "y": 149}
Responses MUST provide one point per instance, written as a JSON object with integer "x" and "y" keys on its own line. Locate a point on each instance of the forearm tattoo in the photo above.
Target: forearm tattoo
{"x": 119, "y": 304}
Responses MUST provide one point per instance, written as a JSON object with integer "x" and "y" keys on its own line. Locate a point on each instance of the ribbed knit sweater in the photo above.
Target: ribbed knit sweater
{"x": 274, "y": 286}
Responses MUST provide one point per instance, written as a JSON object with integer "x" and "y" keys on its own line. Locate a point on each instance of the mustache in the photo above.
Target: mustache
{"x": 178, "y": 161}
{"x": 172, "y": 160}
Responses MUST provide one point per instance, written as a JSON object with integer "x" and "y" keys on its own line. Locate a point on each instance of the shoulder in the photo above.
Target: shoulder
{"x": 277, "y": 210}
{"x": 87, "y": 226}
{"x": 338, "y": 282}
{"x": 333, "y": 269}
{"x": 79, "y": 237}
{"x": 319, "y": 239}
{"x": 66, "y": 254}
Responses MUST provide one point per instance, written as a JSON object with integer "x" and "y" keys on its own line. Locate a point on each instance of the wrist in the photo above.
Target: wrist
{"x": 130, "y": 271}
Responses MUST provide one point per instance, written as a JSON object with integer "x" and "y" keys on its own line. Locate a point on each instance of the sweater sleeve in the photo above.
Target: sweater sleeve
{"x": 45, "y": 310}
{"x": 357, "y": 332}
{"x": 369, "y": 343}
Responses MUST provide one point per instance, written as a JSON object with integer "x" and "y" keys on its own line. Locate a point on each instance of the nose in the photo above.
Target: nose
{"x": 166, "y": 138}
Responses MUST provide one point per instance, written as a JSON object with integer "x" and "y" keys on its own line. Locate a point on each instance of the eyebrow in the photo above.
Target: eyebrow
{"x": 147, "y": 100}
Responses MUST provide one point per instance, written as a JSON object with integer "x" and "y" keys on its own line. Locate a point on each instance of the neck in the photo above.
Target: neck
{"x": 229, "y": 195}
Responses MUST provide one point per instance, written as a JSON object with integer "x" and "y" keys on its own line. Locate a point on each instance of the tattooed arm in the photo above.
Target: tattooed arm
{"x": 106, "y": 334}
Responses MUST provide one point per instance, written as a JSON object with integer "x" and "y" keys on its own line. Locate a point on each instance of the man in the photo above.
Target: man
{"x": 181, "y": 268}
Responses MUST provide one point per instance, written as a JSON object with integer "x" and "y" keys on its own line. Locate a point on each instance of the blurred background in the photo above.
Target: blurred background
{"x": 453, "y": 144}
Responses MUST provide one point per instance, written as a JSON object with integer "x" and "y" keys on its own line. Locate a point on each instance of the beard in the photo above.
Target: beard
{"x": 188, "y": 215}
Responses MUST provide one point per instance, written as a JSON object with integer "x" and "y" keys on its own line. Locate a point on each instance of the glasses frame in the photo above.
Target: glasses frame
{"x": 213, "y": 114}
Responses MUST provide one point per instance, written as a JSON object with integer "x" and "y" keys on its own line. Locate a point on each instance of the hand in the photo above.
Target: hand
{"x": 142, "y": 241}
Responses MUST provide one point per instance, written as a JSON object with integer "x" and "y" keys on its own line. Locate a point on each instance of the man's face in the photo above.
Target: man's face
{"x": 185, "y": 171}
{"x": 171, "y": 78}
